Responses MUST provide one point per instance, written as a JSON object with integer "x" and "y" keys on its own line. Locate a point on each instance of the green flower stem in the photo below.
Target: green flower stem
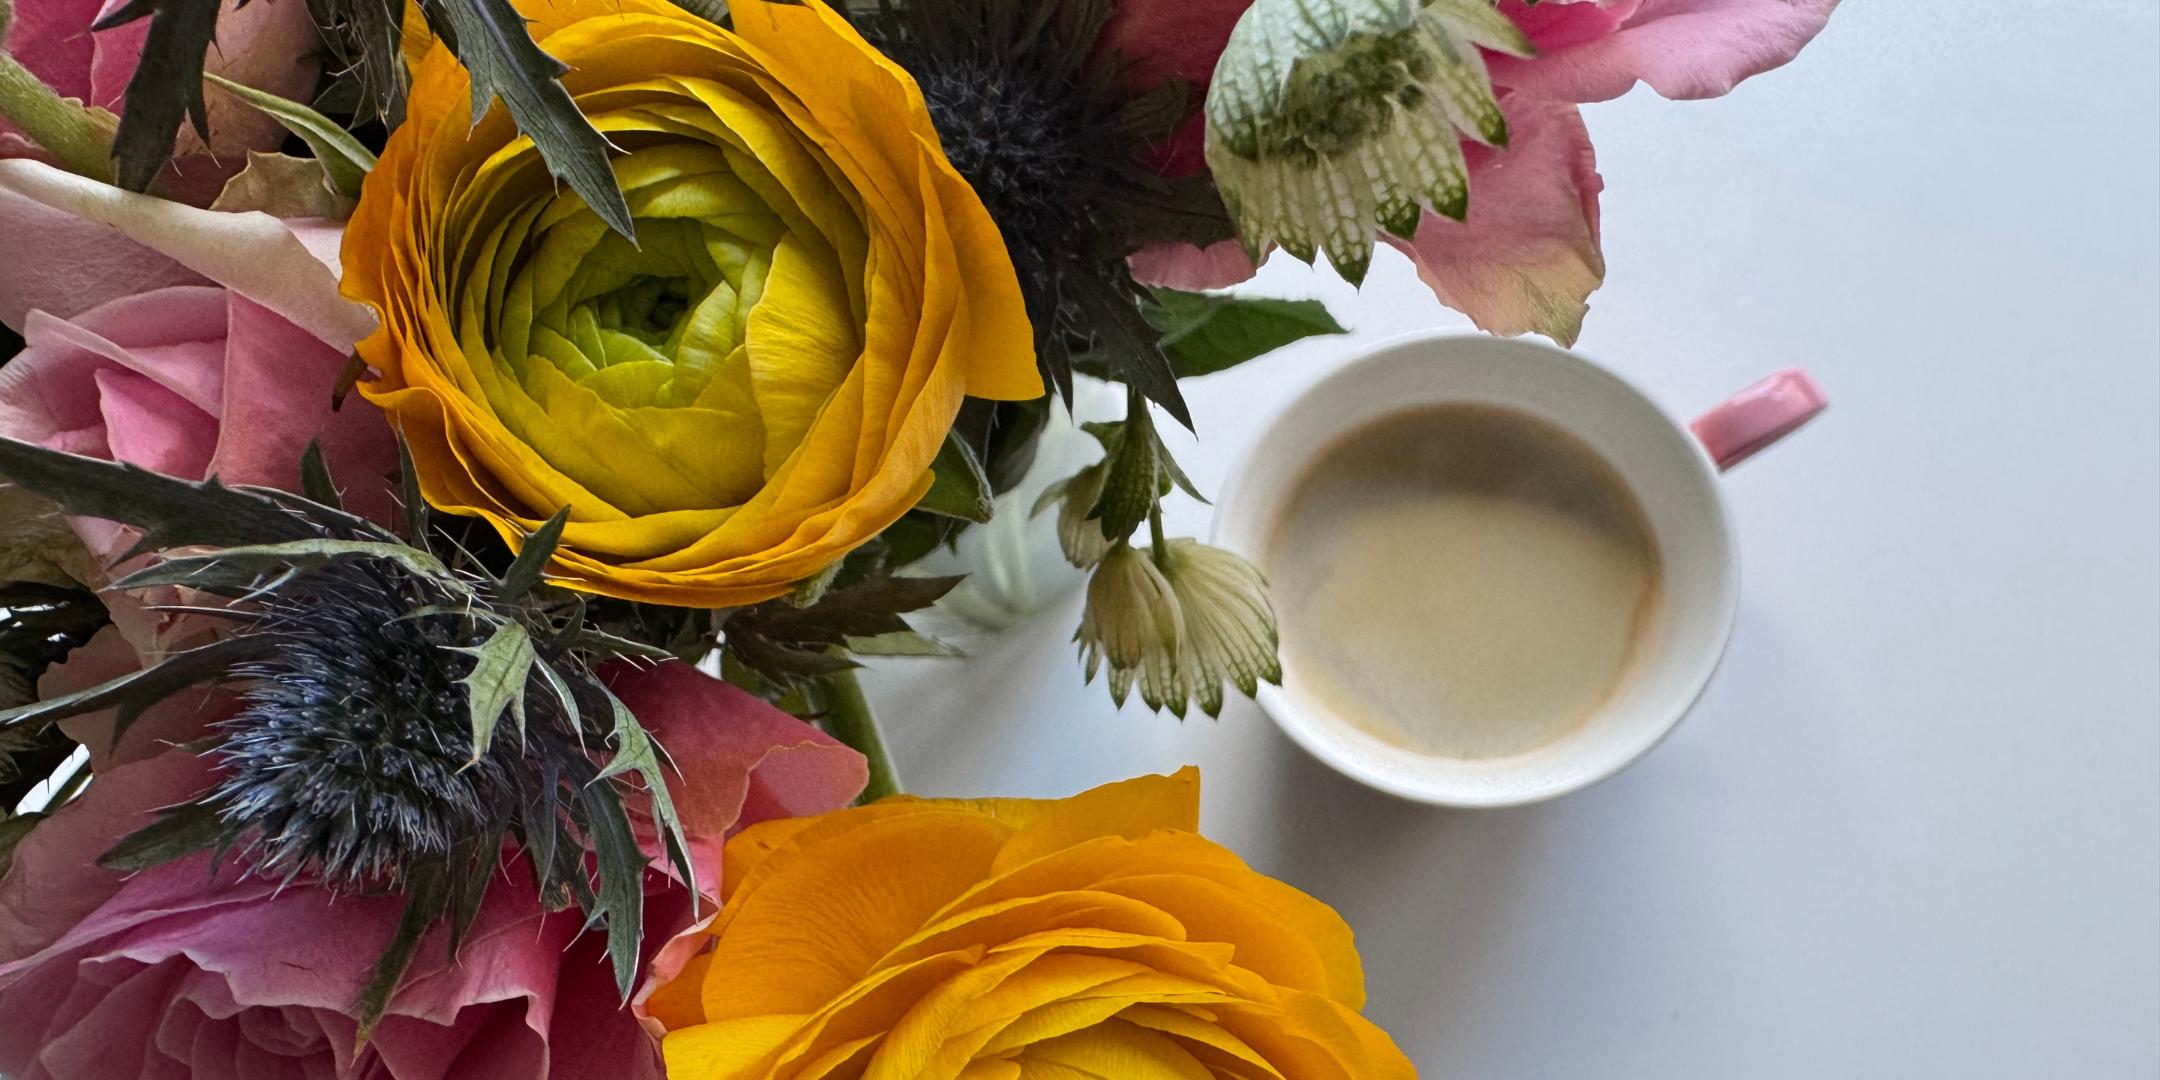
{"x": 1161, "y": 550}
{"x": 848, "y": 714}
{"x": 79, "y": 138}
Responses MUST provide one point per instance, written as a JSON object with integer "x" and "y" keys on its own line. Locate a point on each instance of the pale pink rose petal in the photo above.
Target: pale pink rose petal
{"x": 280, "y": 380}
{"x": 152, "y": 426}
{"x": 1184, "y": 266}
{"x": 64, "y": 264}
{"x": 253, "y": 253}
{"x": 175, "y": 336}
{"x": 1527, "y": 258}
{"x": 1682, "y": 48}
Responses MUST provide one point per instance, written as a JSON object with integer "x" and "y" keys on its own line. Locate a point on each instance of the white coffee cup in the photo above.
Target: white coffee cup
{"x": 1673, "y": 470}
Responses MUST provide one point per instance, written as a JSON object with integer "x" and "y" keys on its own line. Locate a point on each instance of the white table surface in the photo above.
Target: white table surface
{"x": 1913, "y": 829}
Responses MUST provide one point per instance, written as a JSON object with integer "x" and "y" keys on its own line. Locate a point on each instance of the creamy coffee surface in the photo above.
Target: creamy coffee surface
{"x": 1464, "y": 581}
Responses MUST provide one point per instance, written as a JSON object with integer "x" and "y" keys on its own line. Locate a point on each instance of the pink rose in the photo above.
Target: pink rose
{"x": 178, "y": 973}
{"x": 269, "y": 44}
{"x": 186, "y": 341}
{"x": 1528, "y": 255}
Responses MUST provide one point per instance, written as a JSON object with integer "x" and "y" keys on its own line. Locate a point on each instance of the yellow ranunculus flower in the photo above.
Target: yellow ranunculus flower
{"x": 754, "y": 388}
{"x": 1017, "y": 939}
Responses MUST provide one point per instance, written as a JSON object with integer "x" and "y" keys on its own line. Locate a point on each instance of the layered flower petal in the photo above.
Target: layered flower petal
{"x": 1593, "y": 50}
{"x": 756, "y": 386}
{"x": 951, "y": 939}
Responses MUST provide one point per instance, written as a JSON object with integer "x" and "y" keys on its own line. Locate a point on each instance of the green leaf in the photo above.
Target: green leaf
{"x": 532, "y": 558}
{"x": 958, "y": 487}
{"x": 183, "y": 830}
{"x": 636, "y": 752}
{"x": 170, "y": 512}
{"x": 315, "y": 480}
{"x": 137, "y": 690}
{"x": 501, "y": 666}
{"x": 900, "y": 643}
{"x": 166, "y": 86}
{"x": 589, "y": 640}
{"x": 490, "y": 38}
{"x": 344, "y": 160}
{"x": 1204, "y": 334}
{"x": 621, "y": 897}
{"x": 427, "y": 898}
{"x": 1130, "y": 345}
{"x": 248, "y": 568}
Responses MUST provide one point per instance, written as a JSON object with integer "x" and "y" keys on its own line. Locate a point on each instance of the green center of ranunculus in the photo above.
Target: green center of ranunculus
{"x": 665, "y": 374}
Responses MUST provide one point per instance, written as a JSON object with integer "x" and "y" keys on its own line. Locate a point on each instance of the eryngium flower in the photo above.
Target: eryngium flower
{"x": 1180, "y": 626}
{"x": 353, "y": 753}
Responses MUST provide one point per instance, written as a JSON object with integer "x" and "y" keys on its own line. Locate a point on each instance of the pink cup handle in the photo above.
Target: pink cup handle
{"x": 1752, "y": 419}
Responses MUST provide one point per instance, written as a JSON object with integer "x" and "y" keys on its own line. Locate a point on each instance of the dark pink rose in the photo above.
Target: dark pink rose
{"x": 269, "y": 44}
{"x": 180, "y": 973}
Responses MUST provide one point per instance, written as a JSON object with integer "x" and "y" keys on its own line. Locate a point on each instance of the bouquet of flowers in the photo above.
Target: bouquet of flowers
{"x": 458, "y": 451}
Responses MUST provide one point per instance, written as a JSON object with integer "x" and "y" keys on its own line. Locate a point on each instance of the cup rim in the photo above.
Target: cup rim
{"x": 1291, "y": 717}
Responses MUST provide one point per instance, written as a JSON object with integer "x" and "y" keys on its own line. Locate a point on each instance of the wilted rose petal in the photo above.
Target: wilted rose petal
{"x": 1527, "y": 257}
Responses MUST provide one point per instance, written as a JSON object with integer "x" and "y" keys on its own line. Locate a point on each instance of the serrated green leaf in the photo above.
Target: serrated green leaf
{"x": 185, "y": 830}
{"x": 1204, "y": 334}
{"x": 532, "y": 558}
{"x": 590, "y": 640}
{"x": 139, "y": 689}
{"x": 166, "y": 86}
{"x": 490, "y": 38}
{"x": 315, "y": 481}
{"x": 958, "y": 487}
{"x": 427, "y": 898}
{"x": 619, "y": 902}
{"x": 170, "y": 512}
{"x": 246, "y": 568}
{"x": 343, "y": 159}
{"x": 636, "y": 752}
{"x": 901, "y": 643}
{"x": 1131, "y": 347}
{"x": 501, "y": 667}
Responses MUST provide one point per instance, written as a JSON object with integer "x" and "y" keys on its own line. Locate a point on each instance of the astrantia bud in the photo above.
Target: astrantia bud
{"x": 1183, "y": 625}
{"x": 1132, "y": 621}
{"x": 1327, "y": 117}
{"x": 1079, "y": 535}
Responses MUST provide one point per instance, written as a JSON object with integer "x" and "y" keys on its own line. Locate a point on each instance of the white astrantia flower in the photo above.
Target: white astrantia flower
{"x": 1133, "y": 622}
{"x": 1181, "y": 626}
{"x": 1230, "y": 634}
{"x": 1079, "y": 536}
{"x": 1327, "y": 117}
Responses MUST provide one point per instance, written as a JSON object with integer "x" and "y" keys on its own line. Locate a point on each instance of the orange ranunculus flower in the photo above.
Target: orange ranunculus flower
{"x": 1004, "y": 939}
{"x": 756, "y": 386}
